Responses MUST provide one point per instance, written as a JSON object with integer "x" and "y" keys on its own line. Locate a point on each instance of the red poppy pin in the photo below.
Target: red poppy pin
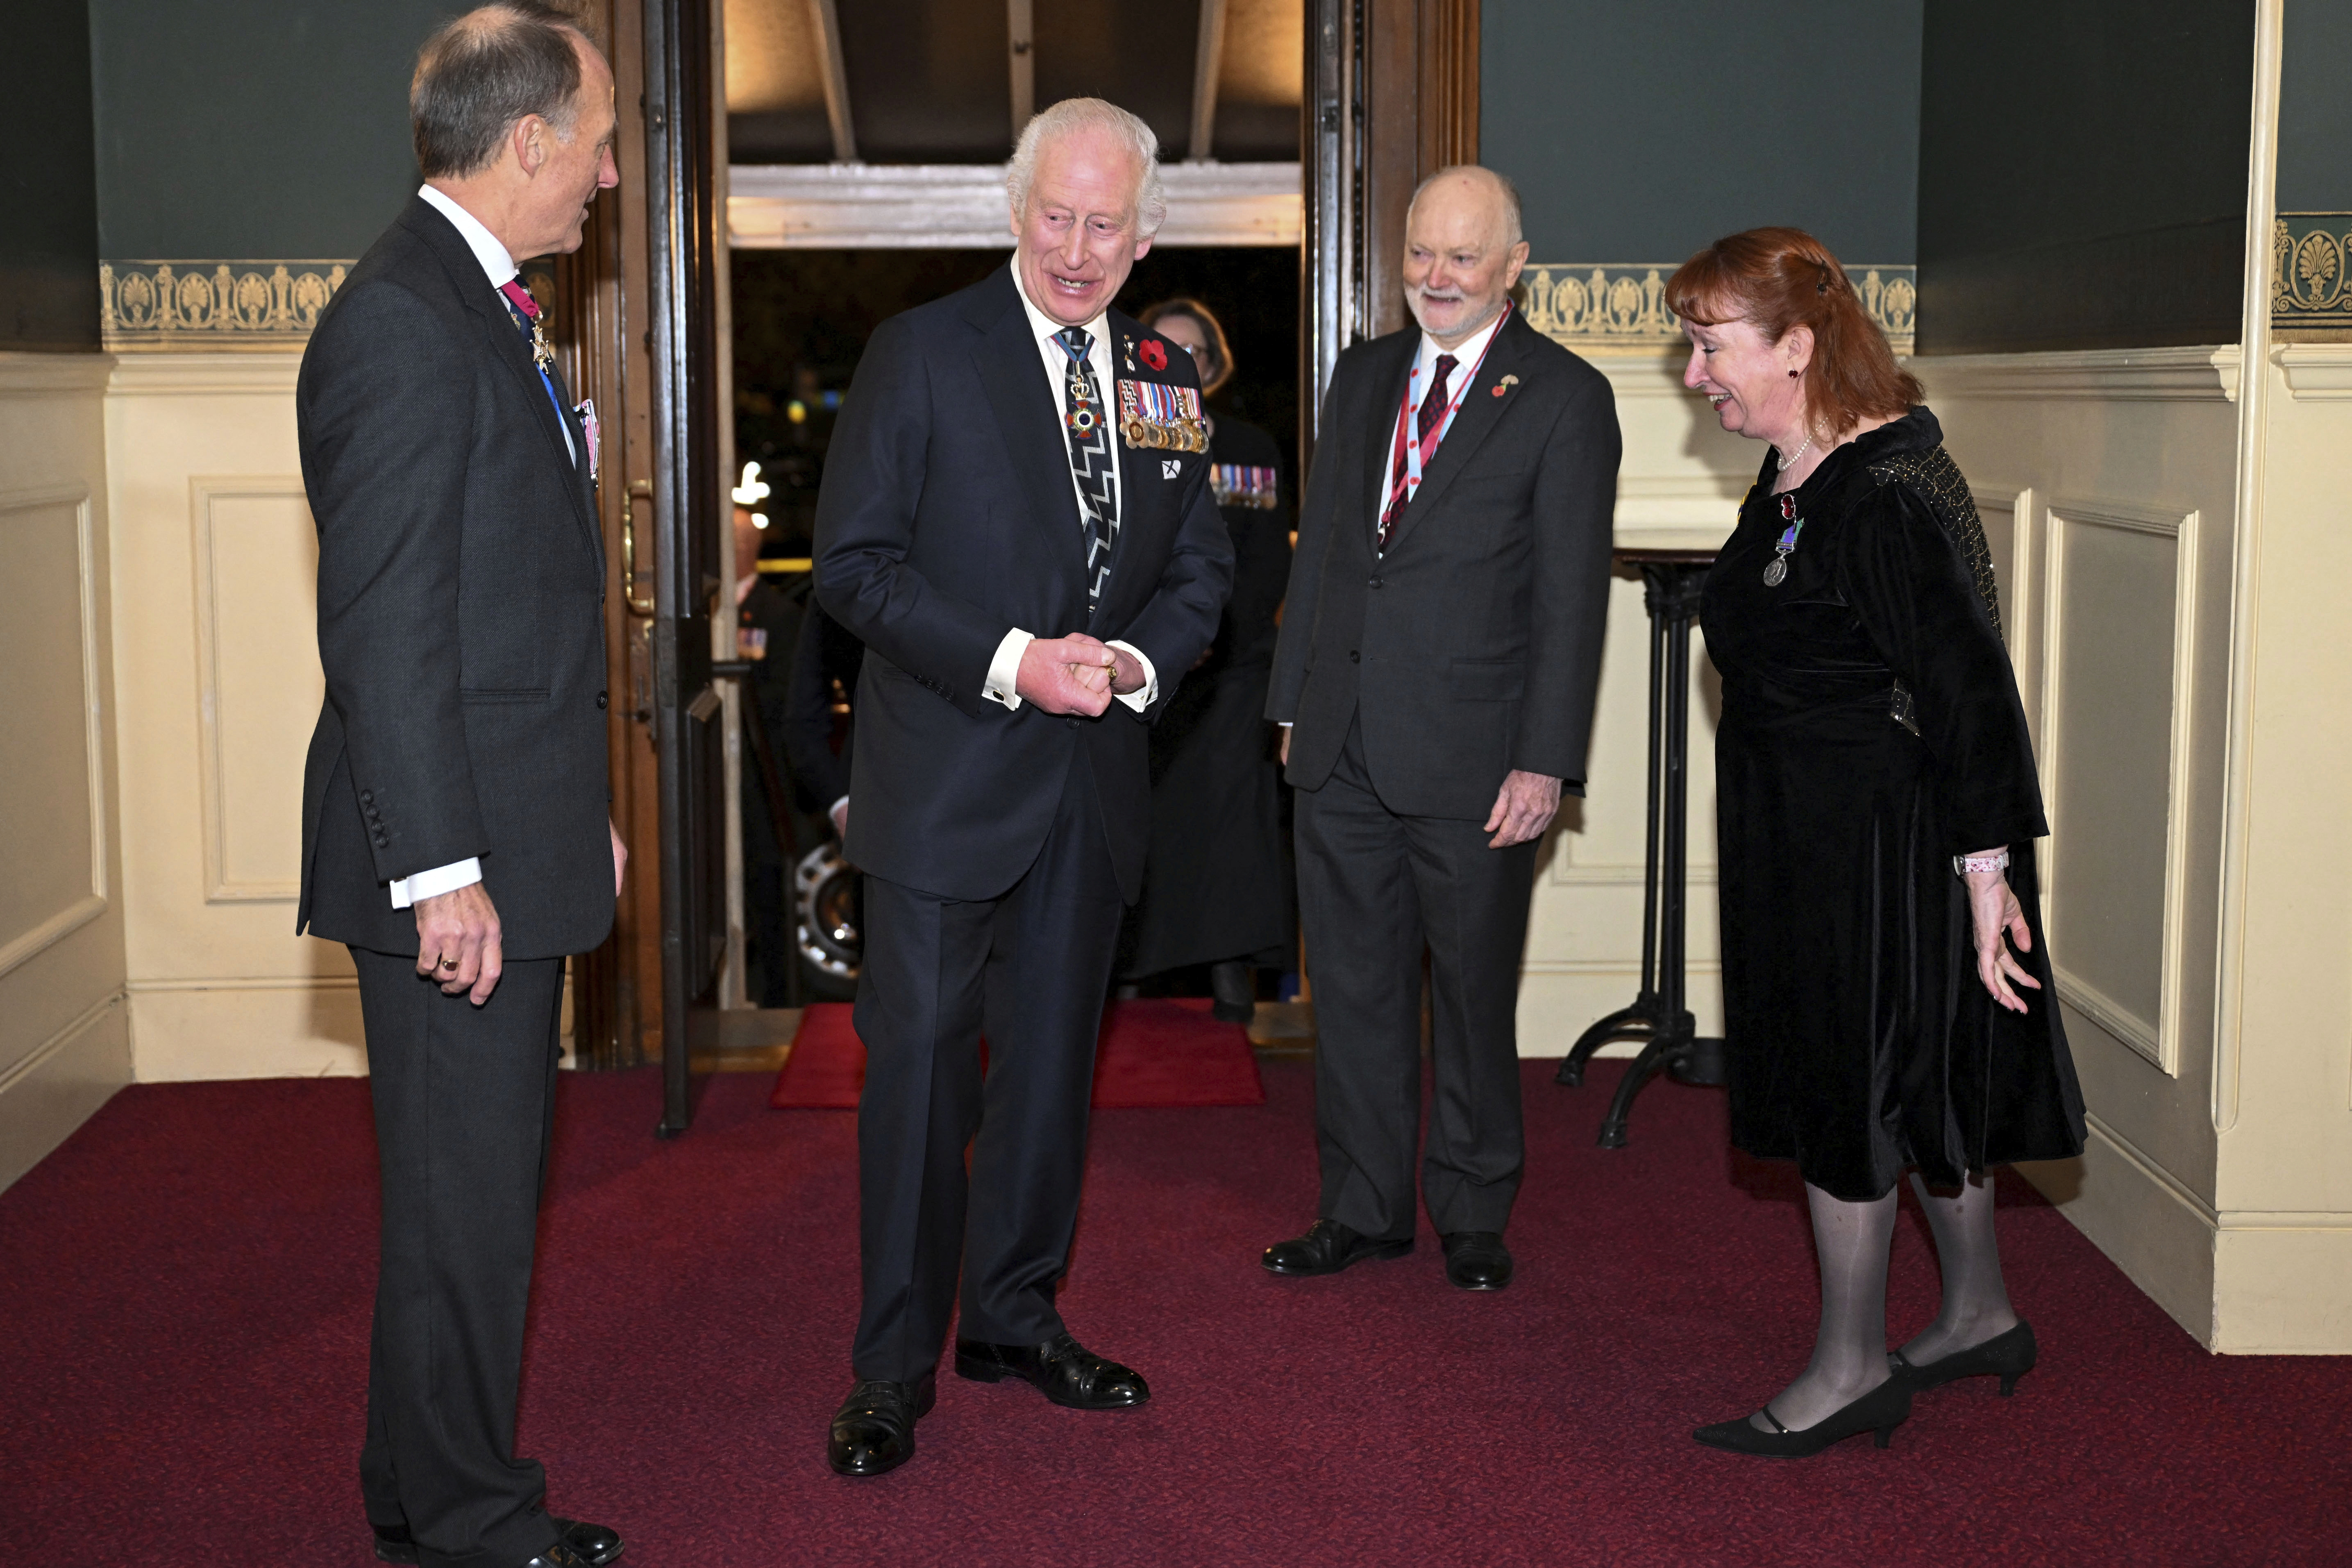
{"x": 1788, "y": 508}
{"x": 1154, "y": 353}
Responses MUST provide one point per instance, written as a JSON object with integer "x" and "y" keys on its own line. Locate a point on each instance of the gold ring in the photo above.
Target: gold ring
{"x": 448, "y": 963}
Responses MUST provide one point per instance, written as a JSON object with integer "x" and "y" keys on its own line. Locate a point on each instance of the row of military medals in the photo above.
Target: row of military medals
{"x": 1778, "y": 571}
{"x": 1159, "y": 416}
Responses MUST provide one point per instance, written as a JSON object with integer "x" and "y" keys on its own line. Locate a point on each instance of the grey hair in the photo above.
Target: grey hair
{"x": 1076, "y": 115}
{"x": 480, "y": 73}
{"x": 1512, "y": 231}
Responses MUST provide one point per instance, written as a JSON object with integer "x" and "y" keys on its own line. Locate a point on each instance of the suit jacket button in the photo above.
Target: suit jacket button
{"x": 602, "y": 699}
{"x": 367, "y": 798}
{"x": 1375, "y": 581}
{"x": 1354, "y": 657}
{"x": 1073, "y": 723}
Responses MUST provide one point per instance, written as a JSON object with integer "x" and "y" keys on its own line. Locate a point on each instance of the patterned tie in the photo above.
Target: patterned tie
{"x": 1091, "y": 458}
{"x": 1433, "y": 409}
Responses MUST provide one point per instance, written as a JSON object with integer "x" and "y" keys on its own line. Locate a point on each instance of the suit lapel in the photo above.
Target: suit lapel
{"x": 1390, "y": 379}
{"x": 511, "y": 348}
{"x": 1481, "y": 412}
{"x": 1028, "y": 423}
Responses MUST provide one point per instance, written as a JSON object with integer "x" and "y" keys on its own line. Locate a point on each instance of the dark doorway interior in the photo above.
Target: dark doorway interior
{"x": 801, "y": 319}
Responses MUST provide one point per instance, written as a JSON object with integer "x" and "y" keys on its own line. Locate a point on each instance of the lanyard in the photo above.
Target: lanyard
{"x": 1415, "y": 454}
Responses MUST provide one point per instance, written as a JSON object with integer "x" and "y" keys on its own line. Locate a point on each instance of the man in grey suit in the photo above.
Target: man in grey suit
{"x": 1440, "y": 650}
{"x": 455, "y": 832}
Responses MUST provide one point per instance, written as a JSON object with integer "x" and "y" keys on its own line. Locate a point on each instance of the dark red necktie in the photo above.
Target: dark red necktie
{"x": 1433, "y": 409}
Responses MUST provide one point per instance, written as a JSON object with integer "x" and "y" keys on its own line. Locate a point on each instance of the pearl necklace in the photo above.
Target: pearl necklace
{"x": 1786, "y": 462}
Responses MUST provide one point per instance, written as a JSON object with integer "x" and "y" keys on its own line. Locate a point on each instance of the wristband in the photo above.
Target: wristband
{"x": 1964, "y": 864}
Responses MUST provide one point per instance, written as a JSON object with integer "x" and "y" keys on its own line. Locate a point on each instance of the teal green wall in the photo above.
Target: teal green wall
{"x": 253, "y": 129}
{"x": 48, "y": 246}
{"x": 1640, "y": 132}
{"x": 2083, "y": 173}
{"x": 2315, "y": 155}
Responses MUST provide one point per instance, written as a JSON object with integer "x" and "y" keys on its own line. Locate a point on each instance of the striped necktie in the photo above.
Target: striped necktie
{"x": 1086, "y": 423}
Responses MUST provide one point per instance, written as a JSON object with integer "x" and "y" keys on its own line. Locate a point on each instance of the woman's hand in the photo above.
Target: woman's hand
{"x": 1995, "y": 912}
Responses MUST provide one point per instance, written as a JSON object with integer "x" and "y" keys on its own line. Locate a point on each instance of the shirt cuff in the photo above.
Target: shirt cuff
{"x": 416, "y": 889}
{"x": 1004, "y": 669}
{"x": 1147, "y": 693}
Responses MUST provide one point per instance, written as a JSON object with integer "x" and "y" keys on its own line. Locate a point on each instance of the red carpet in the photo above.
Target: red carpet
{"x": 1163, "y": 1054}
{"x": 183, "y": 1300}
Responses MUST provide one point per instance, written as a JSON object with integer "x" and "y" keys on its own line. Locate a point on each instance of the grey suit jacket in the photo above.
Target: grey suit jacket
{"x": 1472, "y": 646}
{"x": 461, "y": 586}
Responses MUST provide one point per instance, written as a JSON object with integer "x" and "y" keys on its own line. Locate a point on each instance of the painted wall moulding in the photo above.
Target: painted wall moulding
{"x": 208, "y": 306}
{"x": 2311, "y": 276}
{"x": 1617, "y": 307}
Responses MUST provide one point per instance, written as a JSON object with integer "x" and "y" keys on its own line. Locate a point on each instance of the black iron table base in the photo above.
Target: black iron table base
{"x": 1671, "y": 582}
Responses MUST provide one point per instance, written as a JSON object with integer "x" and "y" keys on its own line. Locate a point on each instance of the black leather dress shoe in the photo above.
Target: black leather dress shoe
{"x": 1478, "y": 1260}
{"x": 874, "y": 1430}
{"x": 1064, "y": 1371}
{"x": 1328, "y": 1247}
{"x": 591, "y": 1543}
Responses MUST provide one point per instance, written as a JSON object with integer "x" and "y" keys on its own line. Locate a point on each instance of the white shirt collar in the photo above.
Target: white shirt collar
{"x": 1465, "y": 353}
{"x": 1045, "y": 326}
{"x": 485, "y": 245}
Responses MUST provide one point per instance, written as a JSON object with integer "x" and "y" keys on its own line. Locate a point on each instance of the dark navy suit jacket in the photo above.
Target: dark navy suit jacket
{"x": 461, "y": 586}
{"x": 946, "y": 518}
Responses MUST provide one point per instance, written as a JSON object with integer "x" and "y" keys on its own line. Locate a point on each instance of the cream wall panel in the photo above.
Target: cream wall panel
{"x": 2152, "y": 435}
{"x": 259, "y": 684}
{"x": 52, "y": 771}
{"x": 2289, "y": 1148}
{"x": 218, "y": 673}
{"x": 2118, "y": 629}
{"x": 63, "y": 1043}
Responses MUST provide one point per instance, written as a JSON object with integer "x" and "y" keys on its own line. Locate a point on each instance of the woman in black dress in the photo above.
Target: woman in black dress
{"x": 1214, "y": 888}
{"x": 1887, "y": 995}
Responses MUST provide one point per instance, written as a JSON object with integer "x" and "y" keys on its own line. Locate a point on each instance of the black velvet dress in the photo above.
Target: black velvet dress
{"x": 1215, "y": 884}
{"x": 1870, "y": 731}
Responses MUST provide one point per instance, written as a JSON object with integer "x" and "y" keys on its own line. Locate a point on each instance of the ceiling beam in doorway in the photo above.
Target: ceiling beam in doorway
{"x": 1208, "y": 59}
{"x": 1021, "y": 37}
{"x": 825, "y": 21}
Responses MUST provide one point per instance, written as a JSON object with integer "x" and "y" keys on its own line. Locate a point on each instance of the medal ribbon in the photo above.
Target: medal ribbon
{"x": 520, "y": 302}
{"x": 1416, "y": 454}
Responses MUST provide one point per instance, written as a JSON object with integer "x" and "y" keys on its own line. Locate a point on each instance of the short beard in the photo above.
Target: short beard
{"x": 1413, "y": 303}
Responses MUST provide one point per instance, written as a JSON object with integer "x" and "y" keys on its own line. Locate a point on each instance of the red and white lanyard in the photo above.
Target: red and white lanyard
{"x": 1418, "y": 453}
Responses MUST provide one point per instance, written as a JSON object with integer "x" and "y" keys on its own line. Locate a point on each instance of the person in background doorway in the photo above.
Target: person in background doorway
{"x": 768, "y": 616}
{"x": 1439, "y": 654}
{"x": 1887, "y": 991}
{"x": 820, "y": 706}
{"x": 1215, "y": 891}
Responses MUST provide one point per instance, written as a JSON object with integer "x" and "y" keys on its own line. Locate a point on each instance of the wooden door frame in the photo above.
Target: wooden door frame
{"x": 1391, "y": 97}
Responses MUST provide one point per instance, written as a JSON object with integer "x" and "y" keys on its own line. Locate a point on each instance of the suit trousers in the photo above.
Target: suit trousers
{"x": 465, "y": 1101}
{"x": 1029, "y": 968}
{"x": 1374, "y": 890}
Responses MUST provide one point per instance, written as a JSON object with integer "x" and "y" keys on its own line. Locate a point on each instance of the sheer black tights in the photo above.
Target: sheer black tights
{"x": 1852, "y": 1240}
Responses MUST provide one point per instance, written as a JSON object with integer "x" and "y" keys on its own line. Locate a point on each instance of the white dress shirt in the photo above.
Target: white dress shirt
{"x": 1466, "y": 355}
{"x": 500, "y": 269}
{"x": 1470, "y": 352}
{"x": 1004, "y": 669}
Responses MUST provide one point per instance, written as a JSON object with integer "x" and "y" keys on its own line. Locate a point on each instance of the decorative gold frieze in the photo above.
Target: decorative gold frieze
{"x": 1589, "y": 306}
{"x": 2311, "y": 276}
{"x": 208, "y": 306}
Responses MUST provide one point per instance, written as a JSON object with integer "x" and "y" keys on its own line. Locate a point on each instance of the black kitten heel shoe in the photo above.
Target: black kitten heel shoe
{"x": 1880, "y": 1411}
{"x": 2008, "y": 1357}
